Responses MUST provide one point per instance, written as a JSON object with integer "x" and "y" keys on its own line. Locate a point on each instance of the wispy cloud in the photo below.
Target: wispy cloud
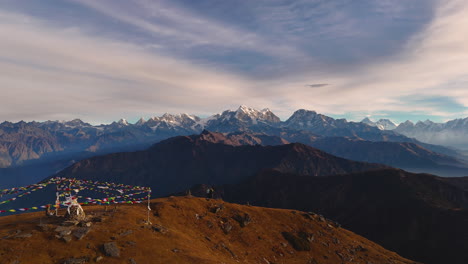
{"x": 165, "y": 58}
{"x": 186, "y": 28}
{"x": 65, "y": 72}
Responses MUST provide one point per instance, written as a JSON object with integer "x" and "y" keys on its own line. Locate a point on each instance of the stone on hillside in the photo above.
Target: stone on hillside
{"x": 126, "y": 233}
{"x": 81, "y": 232}
{"x": 85, "y": 224}
{"x": 64, "y": 233}
{"x": 62, "y": 228}
{"x": 243, "y": 220}
{"x": 226, "y": 227}
{"x": 75, "y": 261}
{"x": 24, "y": 235}
{"x": 216, "y": 208}
{"x": 298, "y": 243}
{"x": 161, "y": 229}
{"x": 307, "y": 236}
{"x": 67, "y": 239}
{"x": 70, "y": 223}
{"x": 111, "y": 249}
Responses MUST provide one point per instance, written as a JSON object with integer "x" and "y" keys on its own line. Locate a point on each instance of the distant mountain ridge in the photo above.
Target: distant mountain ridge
{"x": 382, "y": 124}
{"x": 453, "y": 133}
{"x": 53, "y": 145}
{"x": 23, "y": 141}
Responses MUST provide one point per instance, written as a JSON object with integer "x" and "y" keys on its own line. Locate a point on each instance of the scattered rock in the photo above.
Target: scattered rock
{"x": 226, "y": 227}
{"x": 44, "y": 227}
{"x": 216, "y": 208}
{"x": 131, "y": 243}
{"x": 243, "y": 220}
{"x": 307, "y": 236}
{"x": 228, "y": 250}
{"x": 307, "y": 216}
{"x": 361, "y": 248}
{"x": 126, "y": 233}
{"x": 339, "y": 255}
{"x": 161, "y": 229}
{"x": 85, "y": 224}
{"x": 321, "y": 218}
{"x": 175, "y": 250}
{"x": 298, "y": 243}
{"x": 98, "y": 219}
{"x": 24, "y": 235}
{"x": 81, "y": 232}
{"x": 111, "y": 249}
{"x": 98, "y": 258}
{"x": 132, "y": 261}
{"x": 60, "y": 229}
{"x": 64, "y": 233}
{"x": 75, "y": 261}
{"x": 70, "y": 223}
{"x": 67, "y": 239}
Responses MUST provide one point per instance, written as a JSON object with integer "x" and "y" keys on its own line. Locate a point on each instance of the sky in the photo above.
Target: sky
{"x": 109, "y": 59}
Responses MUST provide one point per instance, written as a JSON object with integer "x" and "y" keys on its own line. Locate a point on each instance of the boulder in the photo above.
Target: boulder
{"x": 81, "y": 232}
{"x": 111, "y": 249}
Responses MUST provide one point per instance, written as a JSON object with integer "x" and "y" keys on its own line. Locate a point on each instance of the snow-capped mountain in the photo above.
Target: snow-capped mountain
{"x": 453, "y": 133}
{"x": 382, "y": 124}
{"x": 241, "y": 119}
{"x": 173, "y": 123}
{"x": 309, "y": 120}
{"x": 23, "y": 140}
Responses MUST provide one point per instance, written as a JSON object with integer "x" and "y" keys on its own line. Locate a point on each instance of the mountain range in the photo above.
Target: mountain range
{"x": 420, "y": 216}
{"x": 31, "y": 151}
{"x": 453, "y": 133}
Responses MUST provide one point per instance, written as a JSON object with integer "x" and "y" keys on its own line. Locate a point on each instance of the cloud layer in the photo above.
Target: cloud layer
{"x": 110, "y": 59}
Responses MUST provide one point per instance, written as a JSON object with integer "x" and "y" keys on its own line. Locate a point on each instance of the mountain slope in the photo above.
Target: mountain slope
{"x": 180, "y": 162}
{"x": 420, "y": 216}
{"x": 189, "y": 230}
{"x": 404, "y": 155}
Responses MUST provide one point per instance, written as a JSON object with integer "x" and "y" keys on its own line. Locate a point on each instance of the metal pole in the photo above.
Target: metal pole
{"x": 149, "y": 208}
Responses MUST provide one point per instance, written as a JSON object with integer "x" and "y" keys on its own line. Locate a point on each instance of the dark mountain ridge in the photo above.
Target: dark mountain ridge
{"x": 177, "y": 163}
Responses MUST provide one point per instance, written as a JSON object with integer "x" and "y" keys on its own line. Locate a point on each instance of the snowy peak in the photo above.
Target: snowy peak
{"x": 306, "y": 119}
{"x": 382, "y": 124}
{"x": 76, "y": 123}
{"x": 123, "y": 122}
{"x": 179, "y": 122}
{"x": 140, "y": 122}
{"x": 254, "y": 116}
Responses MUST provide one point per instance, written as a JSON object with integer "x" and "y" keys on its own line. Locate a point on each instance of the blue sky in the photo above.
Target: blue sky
{"x": 103, "y": 60}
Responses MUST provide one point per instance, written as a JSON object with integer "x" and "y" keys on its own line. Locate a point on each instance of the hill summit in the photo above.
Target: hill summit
{"x": 186, "y": 230}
